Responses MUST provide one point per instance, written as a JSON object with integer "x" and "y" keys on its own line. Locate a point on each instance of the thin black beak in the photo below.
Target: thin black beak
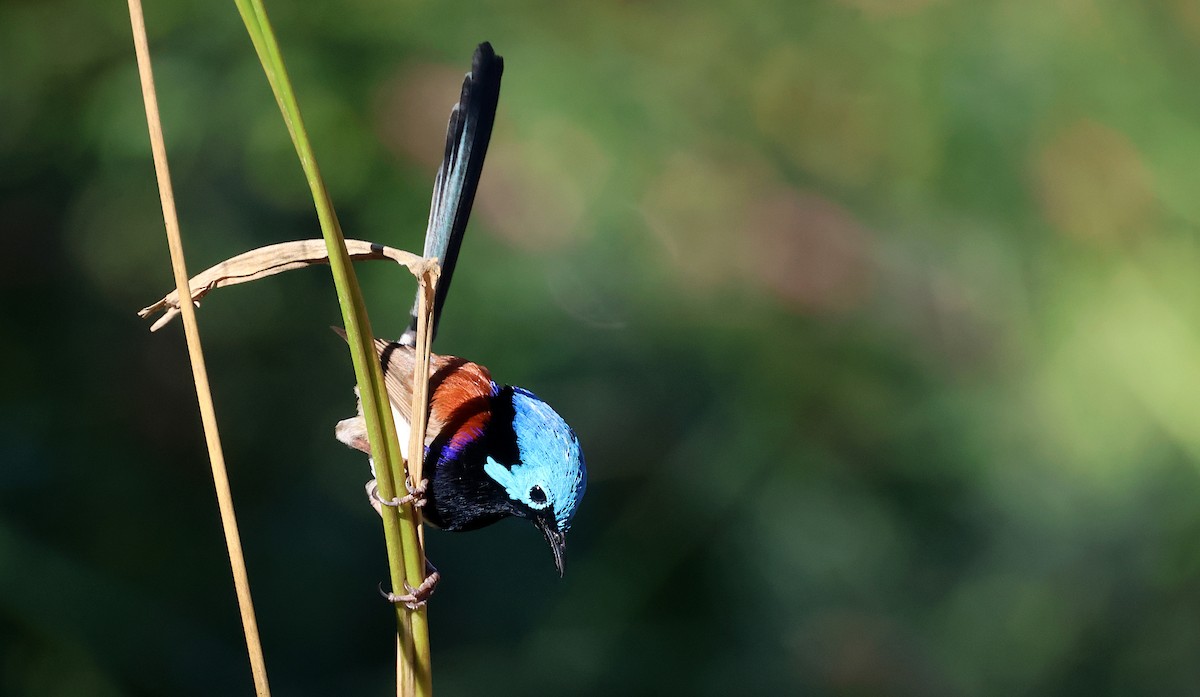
{"x": 558, "y": 541}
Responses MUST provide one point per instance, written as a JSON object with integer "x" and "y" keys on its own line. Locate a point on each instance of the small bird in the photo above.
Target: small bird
{"x": 491, "y": 450}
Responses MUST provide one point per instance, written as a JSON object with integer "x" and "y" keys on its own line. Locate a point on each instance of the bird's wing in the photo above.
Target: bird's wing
{"x": 459, "y": 389}
{"x": 467, "y": 138}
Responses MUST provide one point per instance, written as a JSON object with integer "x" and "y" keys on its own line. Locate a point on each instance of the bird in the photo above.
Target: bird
{"x": 492, "y": 451}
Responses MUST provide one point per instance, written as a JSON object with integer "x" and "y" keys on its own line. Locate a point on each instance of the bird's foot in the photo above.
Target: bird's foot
{"x": 415, "y": 496}
{"x": 415, "y": 598}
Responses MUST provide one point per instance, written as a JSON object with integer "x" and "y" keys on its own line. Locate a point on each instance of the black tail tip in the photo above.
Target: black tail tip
{"x": 485, "y": 59}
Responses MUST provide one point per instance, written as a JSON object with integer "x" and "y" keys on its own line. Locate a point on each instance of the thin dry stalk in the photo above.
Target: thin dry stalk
{"x": 426, "y": 284}
{"x": 195, "y": 353}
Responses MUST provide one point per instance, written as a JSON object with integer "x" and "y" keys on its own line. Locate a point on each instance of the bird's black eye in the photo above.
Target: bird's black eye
{"x": 536, "y": 495}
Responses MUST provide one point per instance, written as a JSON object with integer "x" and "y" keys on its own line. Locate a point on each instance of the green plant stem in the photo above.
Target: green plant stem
{"x": 406, "y": 559}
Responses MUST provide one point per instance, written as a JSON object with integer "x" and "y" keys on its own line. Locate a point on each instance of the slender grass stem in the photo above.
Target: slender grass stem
{"x": 196, "y": 354}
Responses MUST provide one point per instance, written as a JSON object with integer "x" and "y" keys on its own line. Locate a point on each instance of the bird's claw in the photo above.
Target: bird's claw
{"x": 415, "y": 598}
{"x": 415, "y": 496}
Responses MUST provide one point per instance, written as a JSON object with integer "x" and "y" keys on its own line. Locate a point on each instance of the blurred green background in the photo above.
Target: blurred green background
{"x": 879, "y": 321}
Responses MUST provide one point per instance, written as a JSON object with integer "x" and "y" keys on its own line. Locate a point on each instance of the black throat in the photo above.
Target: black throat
{"x": 461, "y": 495}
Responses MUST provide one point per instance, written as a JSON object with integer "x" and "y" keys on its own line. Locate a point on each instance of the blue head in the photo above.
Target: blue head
{"x": 547, "y": 484}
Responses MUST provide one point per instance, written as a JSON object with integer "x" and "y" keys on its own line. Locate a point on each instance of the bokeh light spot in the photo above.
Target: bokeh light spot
{"x": 696, "y": 208}
{"x": 537, "y": 188}
{"x": 808, "y": 250}
{"x": 885, "y": 9}
{"x": 412, "y": 109}
{"x": 1092, "y": 184}
{"x": 819, "y": 113}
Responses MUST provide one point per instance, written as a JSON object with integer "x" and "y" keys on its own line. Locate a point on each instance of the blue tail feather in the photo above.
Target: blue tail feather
{"x": 467, "y": 138}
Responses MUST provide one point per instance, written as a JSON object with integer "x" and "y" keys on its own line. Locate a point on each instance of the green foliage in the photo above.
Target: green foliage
{"x": 895, "y": 300}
